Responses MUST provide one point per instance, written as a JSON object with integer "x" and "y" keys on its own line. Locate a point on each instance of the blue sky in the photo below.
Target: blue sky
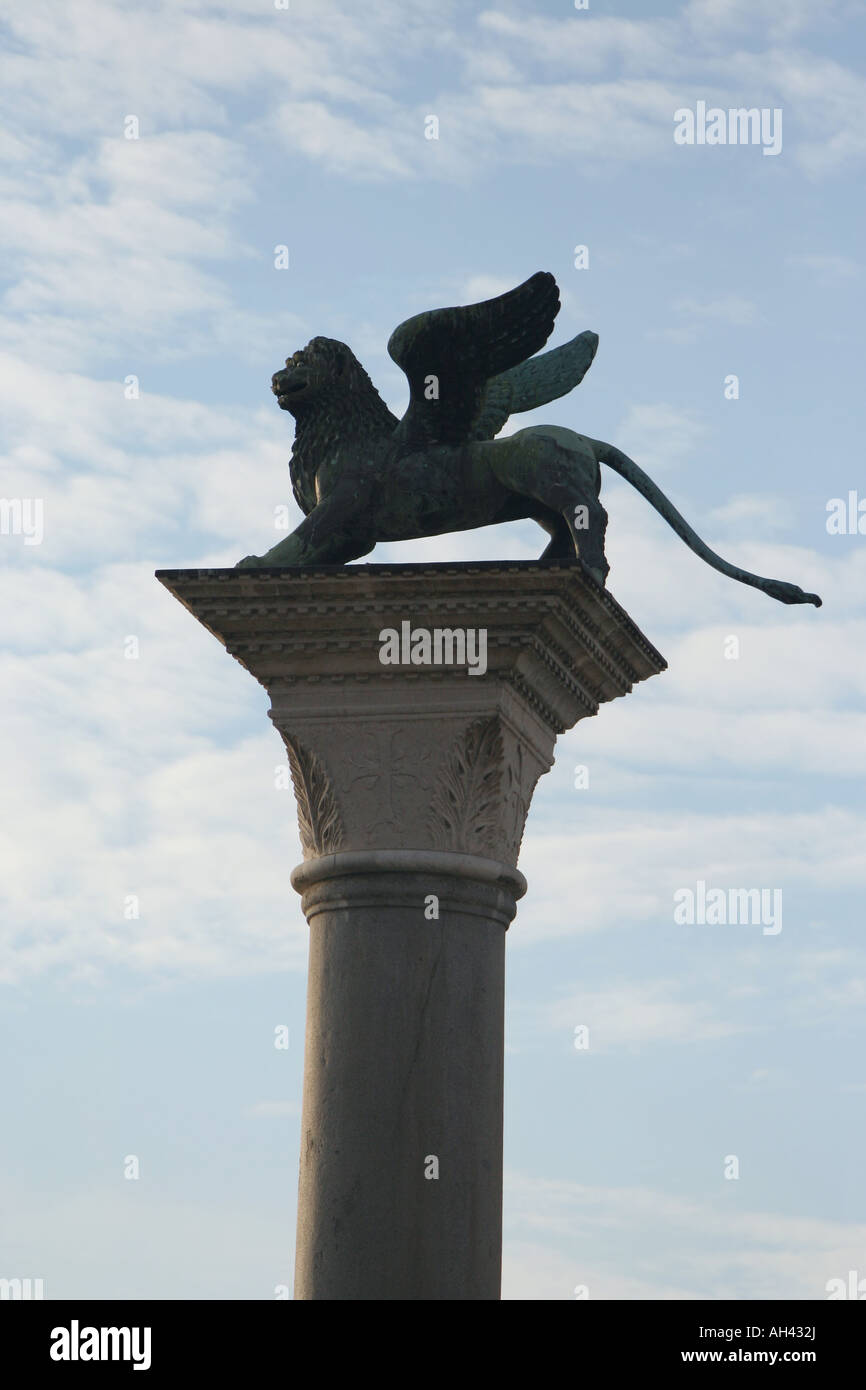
{"x": 154, "y": 777}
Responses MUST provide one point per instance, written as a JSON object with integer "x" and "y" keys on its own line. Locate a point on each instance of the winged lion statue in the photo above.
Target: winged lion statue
{"x": 362, "y": 476}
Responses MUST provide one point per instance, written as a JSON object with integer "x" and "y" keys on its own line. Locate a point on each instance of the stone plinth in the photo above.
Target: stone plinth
{"x": 413, "y": 784}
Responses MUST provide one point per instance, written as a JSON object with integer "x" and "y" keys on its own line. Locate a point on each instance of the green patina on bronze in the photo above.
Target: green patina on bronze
{"x": 362, "y": 476}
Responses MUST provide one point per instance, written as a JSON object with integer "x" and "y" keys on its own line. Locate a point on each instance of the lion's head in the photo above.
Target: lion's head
{"x": 333, "y": 400}
{"x": 323, "y": 364}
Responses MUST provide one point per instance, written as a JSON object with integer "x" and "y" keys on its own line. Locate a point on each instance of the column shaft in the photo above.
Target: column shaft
{"x": 401, "y": 1149}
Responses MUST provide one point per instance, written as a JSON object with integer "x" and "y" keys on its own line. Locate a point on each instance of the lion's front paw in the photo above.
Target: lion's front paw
{"x": 249, "y": 562}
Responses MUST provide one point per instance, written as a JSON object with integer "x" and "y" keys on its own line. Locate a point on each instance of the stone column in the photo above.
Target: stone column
{"x": 413, "y": 778}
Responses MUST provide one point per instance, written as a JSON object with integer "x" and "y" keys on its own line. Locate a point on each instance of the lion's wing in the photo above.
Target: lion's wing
{"x": 448, "y": 356}
{"x": 534, "y": 383}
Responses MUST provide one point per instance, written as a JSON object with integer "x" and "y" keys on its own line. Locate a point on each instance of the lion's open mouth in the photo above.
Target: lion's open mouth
{"x": 287, "y": 387}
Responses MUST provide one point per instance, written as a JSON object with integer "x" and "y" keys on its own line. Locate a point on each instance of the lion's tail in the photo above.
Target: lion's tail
{"x": 628, "y": 469}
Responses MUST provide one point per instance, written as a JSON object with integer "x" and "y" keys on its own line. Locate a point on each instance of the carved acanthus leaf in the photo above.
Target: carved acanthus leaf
{"x": 466, "y": 806}
{"x": 319, "y": 817}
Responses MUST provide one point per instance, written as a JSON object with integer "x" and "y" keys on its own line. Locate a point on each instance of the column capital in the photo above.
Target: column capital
{"x": 419, "y": 704}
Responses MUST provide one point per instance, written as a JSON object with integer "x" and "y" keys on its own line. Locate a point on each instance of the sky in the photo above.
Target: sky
{"x": 708, "y": 1141}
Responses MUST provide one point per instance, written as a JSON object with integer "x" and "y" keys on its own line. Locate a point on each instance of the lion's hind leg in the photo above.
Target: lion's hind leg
{"x": 555, "y": 467}
{"x": 561, "y": 544}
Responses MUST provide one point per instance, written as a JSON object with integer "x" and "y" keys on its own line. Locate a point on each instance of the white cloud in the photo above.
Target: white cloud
{"x": 588, "y": 45}
{"x": 341, "y": 144}
{"x": 120, "y": 477}
{"x": 532, "y": 1271}
{"x": 126, "y": 1240}
{"x": 126, "y": 802}
{"x": 661, "y": 436}
{"x": 274, "y": 1109}
{"x": 759, "y": 511}
{"x": 826, "y": 269}
{"x": 779, "y": 19}
{"x": 479, "y": 287}
{"x": 730, "y": 308}
{"x": 543, "y": 122}
{"x": 619, "y": 60}
{"x": 637, "y": 1012}
{"x": 643, "y": 1243}
{"x": 820, "y": 98}
{"x": 140, "y": 230}
{"x": 799, "y": 853}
